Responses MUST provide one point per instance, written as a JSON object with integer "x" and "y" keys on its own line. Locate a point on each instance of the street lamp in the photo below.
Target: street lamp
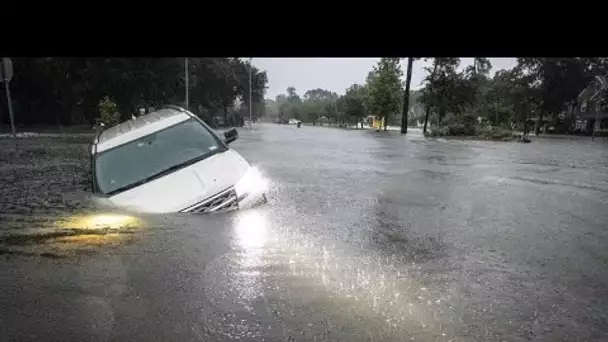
{"x": 250, "y": 100}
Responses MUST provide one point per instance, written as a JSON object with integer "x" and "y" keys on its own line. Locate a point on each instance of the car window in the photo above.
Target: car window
{"x": 142, "y": 158}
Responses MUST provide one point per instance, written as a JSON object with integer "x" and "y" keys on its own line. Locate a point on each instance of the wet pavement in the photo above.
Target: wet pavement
{"x": 366, "y": 237}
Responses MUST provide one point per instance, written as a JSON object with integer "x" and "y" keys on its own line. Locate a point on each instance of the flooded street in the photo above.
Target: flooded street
{"x": 366, "y": 237}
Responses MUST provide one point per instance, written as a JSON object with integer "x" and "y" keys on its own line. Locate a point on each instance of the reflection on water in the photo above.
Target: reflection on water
{"x": 251, "y": 230}
{"x": 275, "y": 277}
{"x": 65, "y": 236}
{"x": 251, "y": 233}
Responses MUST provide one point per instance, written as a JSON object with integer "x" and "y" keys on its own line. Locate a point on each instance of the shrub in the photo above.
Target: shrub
{"x": 486, "y": 131}
{"x": 438, "y": 131}
{"x": 496, "y": 133}
{"x": 461, "y": 125}
{"x": 108, "y": 112}
{"x": 457, "y": 128}
{"x": 467, "y": 125}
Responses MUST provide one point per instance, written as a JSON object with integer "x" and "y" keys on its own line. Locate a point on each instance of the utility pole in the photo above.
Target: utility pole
{"x": 428, "y": 108}
{"x": 186, "y": 77}
{"x": 6, "y": 75}
{"x": 406, "y": 96}
{"x": 474, "y": 66}
{"x": 10, "y": 107}
{"x": 250, "y": 97}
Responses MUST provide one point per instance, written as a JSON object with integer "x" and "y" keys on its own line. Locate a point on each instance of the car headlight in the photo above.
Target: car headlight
{"x": 251, "y": 183}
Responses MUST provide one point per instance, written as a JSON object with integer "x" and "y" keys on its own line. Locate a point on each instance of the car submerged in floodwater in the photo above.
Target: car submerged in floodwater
{"x": 171, "y": 161}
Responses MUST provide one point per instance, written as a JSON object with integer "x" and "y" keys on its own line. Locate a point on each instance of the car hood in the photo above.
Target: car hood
{"x": 185, "y": 187}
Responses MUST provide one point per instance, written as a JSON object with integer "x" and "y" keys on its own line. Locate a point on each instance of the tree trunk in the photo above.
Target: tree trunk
{"x": 538, "y": 123}
{"x": 385, "y": 121}
{"x": 406, "y": 96}
{"x": 225, "y": 115}
{"x": 426, "y": 118}
{"x": 428, "y": 108}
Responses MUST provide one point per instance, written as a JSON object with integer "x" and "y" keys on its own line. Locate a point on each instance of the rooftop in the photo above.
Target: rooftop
{"x": 140, "y": 126}
{"x": 594, "y": 87}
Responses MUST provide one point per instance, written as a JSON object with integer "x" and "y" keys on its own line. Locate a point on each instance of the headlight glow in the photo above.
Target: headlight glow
{"x": 252, "y": 183}
{"x": 101, "y": 221}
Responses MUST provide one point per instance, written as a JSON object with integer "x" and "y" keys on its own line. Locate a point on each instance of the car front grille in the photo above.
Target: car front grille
{"x": 223, "y": 201}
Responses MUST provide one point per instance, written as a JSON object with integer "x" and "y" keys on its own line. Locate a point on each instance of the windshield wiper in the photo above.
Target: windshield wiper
{"x": 164, "y": 172}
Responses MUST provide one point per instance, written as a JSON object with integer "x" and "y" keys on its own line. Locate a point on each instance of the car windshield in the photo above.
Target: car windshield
{"x": 148, "y": 157}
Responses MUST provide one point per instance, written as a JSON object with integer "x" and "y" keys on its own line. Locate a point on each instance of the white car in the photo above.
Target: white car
{"x": 294, "y": 121}
{"x": 171, "y": 161}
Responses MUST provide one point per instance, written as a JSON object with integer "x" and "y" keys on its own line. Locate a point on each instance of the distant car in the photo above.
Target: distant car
{"x": 294, "y": 121}
{"x": 171, "y": 161}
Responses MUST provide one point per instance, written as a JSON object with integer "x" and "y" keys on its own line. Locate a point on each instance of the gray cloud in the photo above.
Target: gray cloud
{"x": 337, "y": 74}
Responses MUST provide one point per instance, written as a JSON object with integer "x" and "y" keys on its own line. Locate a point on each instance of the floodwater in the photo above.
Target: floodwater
{"x": 366, "y": 237}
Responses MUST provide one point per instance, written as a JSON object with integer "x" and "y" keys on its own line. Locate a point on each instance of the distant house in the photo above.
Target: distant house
{"x": 590, "y": 110}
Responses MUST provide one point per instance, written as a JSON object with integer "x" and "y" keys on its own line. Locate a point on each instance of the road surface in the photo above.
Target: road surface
{"x": 366, "y": 237}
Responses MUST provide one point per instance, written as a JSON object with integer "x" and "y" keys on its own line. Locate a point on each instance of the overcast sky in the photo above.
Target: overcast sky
{"x": 337, "y": 74}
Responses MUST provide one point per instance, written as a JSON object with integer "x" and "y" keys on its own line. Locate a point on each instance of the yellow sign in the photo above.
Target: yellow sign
{"x": 378, "y": 123}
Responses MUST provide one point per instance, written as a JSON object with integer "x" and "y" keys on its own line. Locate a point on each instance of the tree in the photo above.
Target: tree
{"x": 66, "y": 91}
{"x": 282, "y": 107}
{"x": 384, "y": 83}
{"x": 445, "y": 85}
{"x": 354, "y": 103}
{"x": 557, "y": 80}
{"x": 271, "y": 110}
{"x": 290, "y": 105}
{"x": 475, "y": 82}
{"x": 295, "y": 103}
{"x": 259, "y": 80}
{"x": 342, "y": 110}
{"x": 441, "y": 90}
{"x": 319, "y": 102}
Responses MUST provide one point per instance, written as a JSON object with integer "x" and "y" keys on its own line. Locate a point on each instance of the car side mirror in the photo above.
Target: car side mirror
{"x": 231, "y": 135}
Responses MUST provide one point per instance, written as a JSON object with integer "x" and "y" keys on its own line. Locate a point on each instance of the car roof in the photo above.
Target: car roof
{"x": 140, "y": 126}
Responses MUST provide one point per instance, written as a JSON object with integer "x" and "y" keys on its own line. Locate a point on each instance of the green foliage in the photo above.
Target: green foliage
{"x": 535, "y": 87}
{"x": 464, "y": 125}
{"x": 320, "y": 103}
{"x": 290, "y": 105}
{"x": 385, "y": 92}
{"x": 446, "y": 90}
{"x": 354, "y": 102}
{"x": 108, "y": 112}
{"x": 439, "y": 131}
{"x": 557, "y": 81}
{"x": 468, "y": 125}
{"x": 68, "y": 90}
{"x": 271, "y": 109}
{"x": 494, "y": 133}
